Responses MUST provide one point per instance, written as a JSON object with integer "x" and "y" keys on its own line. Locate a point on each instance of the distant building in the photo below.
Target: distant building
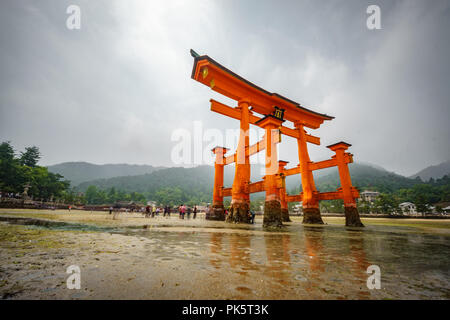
{"x": 297, "y": 209}
{"x": 369, "y": 196}
{"x": 408, "y": 208}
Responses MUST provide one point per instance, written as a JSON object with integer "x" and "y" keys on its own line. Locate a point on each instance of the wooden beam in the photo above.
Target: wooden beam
{"x": 323, "y": 195}
{"x": 294, "y": 198}
{"x": 253, "y": 149}
{"x": 292, "y": 171}
{"x": 313, "y": 139}
{"x": 222, "y": 80}
{"x": 323, "y": 164}
{"x": 226, "y": 192}
{"x": 348, "y": 157}
{"x": 256, "y": 187}
{"x": 331, "y": 195}
{"x": 337, "y": 194}
{"x": 234, "y": 113}
{"x": 252, "y": 188}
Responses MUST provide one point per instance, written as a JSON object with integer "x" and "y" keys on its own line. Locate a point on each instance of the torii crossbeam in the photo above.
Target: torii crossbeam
{"x": 275, "y": 110}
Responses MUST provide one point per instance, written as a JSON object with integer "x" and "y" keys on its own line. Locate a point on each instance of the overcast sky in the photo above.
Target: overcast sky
{"x": 115, "y": 90}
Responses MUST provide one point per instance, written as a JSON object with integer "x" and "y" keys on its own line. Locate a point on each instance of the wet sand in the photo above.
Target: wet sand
{"x": 159, "y": 258}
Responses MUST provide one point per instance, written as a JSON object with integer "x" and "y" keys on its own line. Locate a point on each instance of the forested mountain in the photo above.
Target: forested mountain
{"x": 78, "y": 172}
{"x": 366, "y": 177}
{"x": 434, "y": 172}
{"x": 198, "y": 181}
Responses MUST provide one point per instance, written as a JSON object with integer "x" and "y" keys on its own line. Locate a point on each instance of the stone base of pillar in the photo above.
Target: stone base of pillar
{"x": 352, "y": 217}
{"x": 312, "y": 216}
{"x": 217, "y": 213}
{"x": 239, "y": 213}
{"x": 285, "y": 215}
{"x": 272, "y": 214}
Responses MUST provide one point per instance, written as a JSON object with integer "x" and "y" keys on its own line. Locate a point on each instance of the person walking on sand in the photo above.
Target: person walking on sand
{"x": 207, "y": 211}
{"x": 147, "y": 211}
{"x": 153, "y": 211}
{"x": 183, "y": 211}
{"x": 116, "y": 210}
{"x": 189, "y": 211}
{"x": 167, "y": 211}
{"x": 195, "y": 212}
{"x": 252, "y": 216}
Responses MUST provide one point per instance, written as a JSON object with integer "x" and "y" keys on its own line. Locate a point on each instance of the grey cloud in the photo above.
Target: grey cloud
{"x": 116, "y": 89}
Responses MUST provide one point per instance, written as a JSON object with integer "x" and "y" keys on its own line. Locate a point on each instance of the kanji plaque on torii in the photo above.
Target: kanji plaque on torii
{"x": 274, "y": 110}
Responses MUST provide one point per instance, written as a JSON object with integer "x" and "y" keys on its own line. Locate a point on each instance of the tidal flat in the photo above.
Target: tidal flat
{"x": 133, "y": 257}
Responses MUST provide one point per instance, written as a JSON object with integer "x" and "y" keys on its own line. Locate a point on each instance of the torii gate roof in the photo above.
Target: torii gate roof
{"x": 211, "y": 73}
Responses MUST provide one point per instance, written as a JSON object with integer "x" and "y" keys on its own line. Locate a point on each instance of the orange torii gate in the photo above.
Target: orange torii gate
{"x": 275, "y": 109}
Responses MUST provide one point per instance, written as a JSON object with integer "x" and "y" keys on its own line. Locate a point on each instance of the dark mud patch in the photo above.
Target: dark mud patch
{"x": 56, "y": 225}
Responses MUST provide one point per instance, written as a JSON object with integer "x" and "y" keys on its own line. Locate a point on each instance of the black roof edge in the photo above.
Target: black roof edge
{"x": 269, "y": 116}
{"x": 348, "y": 144}
{"x": 203, "y": 57}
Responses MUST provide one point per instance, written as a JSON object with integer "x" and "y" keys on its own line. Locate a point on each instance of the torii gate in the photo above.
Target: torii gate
{"x": 275, "y": 109}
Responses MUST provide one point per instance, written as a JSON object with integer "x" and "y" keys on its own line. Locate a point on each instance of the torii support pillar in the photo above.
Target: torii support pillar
{"x": 311, "y": 212}
{"x": 217, "y": 212}
{"x": 240, "y": 196}
{"x": 284, "y": 204}
{"x": 272, "y": 206}
{"x": 351, "y": 211}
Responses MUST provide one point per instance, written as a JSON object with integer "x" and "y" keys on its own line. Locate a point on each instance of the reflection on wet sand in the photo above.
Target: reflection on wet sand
{"x": 333, "y": 265}
{"x": 240, "y": 249}
{"x": 278, "y": 264}
{"x": 313, "y": 239}
{"x": 216, "y": 249}
{"x": 359, "y": 262}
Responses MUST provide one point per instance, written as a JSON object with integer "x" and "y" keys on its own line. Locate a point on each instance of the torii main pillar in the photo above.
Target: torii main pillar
{"x": 240, "y": 196}
{"x": 351, "y": 211}
{"x": 284, "y": 204}
{"x": 217, "y": 212}
{"x": 311, "y": 212}
{"x": 272, "y": 205}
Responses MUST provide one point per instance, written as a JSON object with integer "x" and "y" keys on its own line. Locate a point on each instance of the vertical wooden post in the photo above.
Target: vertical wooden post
{"x": 311, "y": 212}
{"x": 217, "y": 212}
{"x": 240, "y": 196}
{"x": 284, "y": 204}
{"x": 352, "y": 218}
{"x": 272, "y": 206}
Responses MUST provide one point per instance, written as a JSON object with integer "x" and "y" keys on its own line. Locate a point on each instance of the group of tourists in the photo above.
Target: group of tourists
{"x": 183, "y": 210}
{"x": 10, "y": 195}
{"x": 152, "y": 211}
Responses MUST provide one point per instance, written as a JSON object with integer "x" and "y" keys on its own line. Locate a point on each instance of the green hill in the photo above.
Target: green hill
{"x": 198, "y": 181}
{"x": 366, "y": 177}
{"x": 434, "y": 172}
{"x": 78, "y": 172}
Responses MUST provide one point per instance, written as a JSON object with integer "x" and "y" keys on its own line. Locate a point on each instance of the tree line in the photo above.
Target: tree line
{"x": 176, "y": 186}
{"x": 20, "y": 171}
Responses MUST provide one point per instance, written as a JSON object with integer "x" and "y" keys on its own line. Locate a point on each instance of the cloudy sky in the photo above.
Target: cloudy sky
{"x": 117, "y": 89}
